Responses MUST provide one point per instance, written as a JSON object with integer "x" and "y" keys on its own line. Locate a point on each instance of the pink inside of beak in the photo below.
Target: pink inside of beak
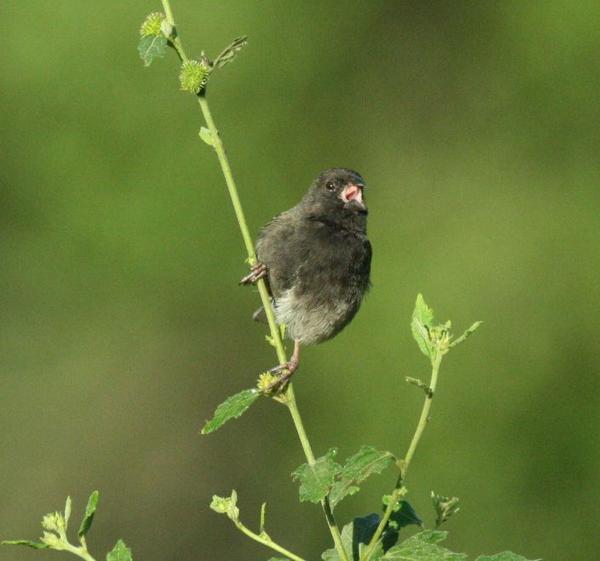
{"x": 352, "y": 193}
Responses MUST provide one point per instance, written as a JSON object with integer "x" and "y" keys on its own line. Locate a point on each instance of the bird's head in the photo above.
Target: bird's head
{"x": 337, "y": 191}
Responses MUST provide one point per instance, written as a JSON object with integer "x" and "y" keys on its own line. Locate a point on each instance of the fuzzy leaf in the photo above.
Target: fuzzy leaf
{"x": 421, "y": 324}
{"x": 504, "y": 556}
{"x": 119, "y": 553}
{"x": 358, "y": 468}
{"x": 151, "y": 47}
{"x": 207, "y": 136}
{"x": 330, "y": 555}
{"x": 363, "y": 528}
{"x": 28, "y": 543}
{"x": 232, "y": 408}
{"x": 67, "y": 512}
{"x": 88, "y": 517}
{"x": 423, "y": 547}
{"x": 317, "y": 480}
{"x": 230, "y": 52}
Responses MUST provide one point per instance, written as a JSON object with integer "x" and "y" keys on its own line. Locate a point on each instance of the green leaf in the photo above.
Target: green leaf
{"x": 278, "y": 559}
{"x": 88, "y": 517}
{"x": 504, "y": 556}
{"x": 317, "y": 480}
{"x": 232, "y": 408}
{"x": 119, "y": 553}
{"x": 67, "y": 512}
{"x": 263, "y": 517}
{"x": 423, "y": 547}
{"x": 404, "y": 515}
{"x": 151, "y": 47}
{"x": 358, "y": 468}
{"x": 421, "y": 324}
{"x": 207, "y": 136}
{"x": 230, "y": 52}
{"x": 28, "y": 543}
{"x": 363, "y": 528}
{"x": 432, "y": 536}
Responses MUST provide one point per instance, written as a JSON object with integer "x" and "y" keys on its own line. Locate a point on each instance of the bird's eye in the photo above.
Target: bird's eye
{"x": 330, "y": 186}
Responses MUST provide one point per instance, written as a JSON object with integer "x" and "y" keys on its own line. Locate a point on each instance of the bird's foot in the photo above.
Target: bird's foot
{"x": 257, "y": 271}
{"x": 284, "y": 373}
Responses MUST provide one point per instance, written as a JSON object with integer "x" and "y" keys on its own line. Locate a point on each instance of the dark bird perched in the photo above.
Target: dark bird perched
{"x": 316, "y": 260}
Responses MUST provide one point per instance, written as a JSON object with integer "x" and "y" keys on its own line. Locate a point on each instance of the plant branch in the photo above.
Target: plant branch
{"x": 290, "y": 399}
{"x": 265, "y": 540}
{"x": 435, "y": 367}
{"x": 399, "y": 490}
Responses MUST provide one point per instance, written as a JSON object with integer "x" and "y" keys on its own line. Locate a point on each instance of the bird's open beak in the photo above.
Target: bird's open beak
{"x": 353, "y": 193}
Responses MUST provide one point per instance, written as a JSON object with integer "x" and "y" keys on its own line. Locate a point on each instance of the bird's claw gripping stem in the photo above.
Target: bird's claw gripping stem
{"x": 257, "y": 271}
{"x": 285, "y": 372}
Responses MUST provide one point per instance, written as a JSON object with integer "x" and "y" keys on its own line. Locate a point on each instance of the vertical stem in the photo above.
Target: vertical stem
{"x": 226, "y": 168}
{"x": 295, "y": 413}
{"x": 435, "y": 367}
{"x": 241, "y": 218}
{"x": 290, "y": 398}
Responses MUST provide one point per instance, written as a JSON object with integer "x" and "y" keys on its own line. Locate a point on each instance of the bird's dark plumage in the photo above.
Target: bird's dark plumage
{"x": 318, "y": 257}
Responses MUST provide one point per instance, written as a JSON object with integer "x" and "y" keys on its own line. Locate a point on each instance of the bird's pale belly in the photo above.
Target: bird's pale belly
{"x": 309, "y": 321}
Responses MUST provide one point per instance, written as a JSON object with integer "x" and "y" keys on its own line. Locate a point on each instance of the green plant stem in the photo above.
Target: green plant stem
{"x": 264, "y": 539}
{"x": 399, "y": 490}
{"x": 423, "y": 419}
{"x": 290, "y": 399}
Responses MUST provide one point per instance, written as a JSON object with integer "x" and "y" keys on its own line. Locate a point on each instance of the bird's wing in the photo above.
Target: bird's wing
{"x": 281, "y": 249}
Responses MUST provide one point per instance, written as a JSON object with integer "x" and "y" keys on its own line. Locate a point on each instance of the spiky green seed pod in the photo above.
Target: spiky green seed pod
{"x": 266, "y": 382}
{"x": 151, "y": 26}
{"x": 193, "y": 76}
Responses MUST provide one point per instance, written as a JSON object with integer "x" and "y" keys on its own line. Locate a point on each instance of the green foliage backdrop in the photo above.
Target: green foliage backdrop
{"x": 476, "y": 127}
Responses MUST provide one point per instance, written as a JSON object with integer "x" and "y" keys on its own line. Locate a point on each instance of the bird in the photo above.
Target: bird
{"x": 316, "y": 262}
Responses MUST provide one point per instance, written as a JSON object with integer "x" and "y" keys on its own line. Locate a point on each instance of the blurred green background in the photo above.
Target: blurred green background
{"x": 475, "y": 125}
